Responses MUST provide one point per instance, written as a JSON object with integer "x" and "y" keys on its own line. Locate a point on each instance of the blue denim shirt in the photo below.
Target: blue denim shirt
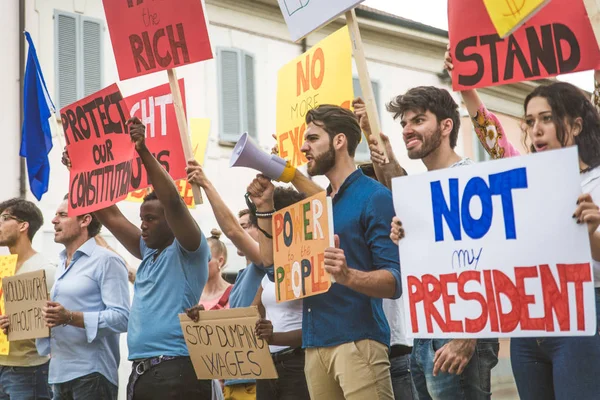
{"x": 94, "y": 283}
{"x": 362, "y": 212}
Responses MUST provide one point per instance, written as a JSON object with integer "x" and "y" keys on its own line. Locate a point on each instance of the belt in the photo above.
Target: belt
{"x": 398, "y": 350}
{"x": 287, "y": 354}
{"x": 144, "y": 365}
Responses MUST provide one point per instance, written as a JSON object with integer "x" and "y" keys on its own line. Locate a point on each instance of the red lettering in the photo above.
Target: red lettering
{"x": 555, "y": 299}
{"x": 503, "y": 285}
{"x": 453, "y": 326}
{"x": 278, "y": 221}
{"x": 491, "y": 300}
{"x": 415, "y": 295}
{"x": 477, "y": 324}
{"x": 432, "y": 292}
{"x": 527, "y": 323}
{"x": 578, "y": 274}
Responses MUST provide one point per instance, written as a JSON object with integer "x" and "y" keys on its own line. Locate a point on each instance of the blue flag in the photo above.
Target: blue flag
{"x": 36, "y": 139}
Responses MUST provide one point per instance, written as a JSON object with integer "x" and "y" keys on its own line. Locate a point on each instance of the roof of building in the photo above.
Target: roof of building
{"x": 382, "y": 16}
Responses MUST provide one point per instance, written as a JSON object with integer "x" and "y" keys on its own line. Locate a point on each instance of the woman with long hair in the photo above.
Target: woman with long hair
{"x": 215, "y": 295}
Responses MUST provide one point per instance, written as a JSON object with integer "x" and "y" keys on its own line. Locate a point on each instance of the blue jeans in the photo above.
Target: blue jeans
{"x": 291, "y": 384}
{"x": 557, "y": 367}
{"x": 473, "y": 384}
{"x": 24, "y": 383}
{"x": 402, "y": 383}
{"x": 88, "y": 387}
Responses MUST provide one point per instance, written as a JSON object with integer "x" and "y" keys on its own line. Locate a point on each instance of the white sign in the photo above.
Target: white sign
{"x": 492, "y": 250}
{"x": 305, "y": 16}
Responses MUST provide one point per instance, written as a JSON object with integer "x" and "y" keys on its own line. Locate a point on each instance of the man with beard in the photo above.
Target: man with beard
{"x": 23, "y": 372}
{"x": 449, "y": 368}
{"x": 170, "y": 279}
{"x": 344, "y": 331}
{"x": 88, "y": 311}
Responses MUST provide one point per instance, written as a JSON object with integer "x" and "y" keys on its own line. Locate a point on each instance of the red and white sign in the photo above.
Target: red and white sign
{"x": 154, "y": 35}
{"x": 552, "y": 42}
{"x": 492, "y": 250}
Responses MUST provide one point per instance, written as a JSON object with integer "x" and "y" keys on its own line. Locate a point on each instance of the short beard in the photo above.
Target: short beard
{"x": 323, "y": 163}
{"x": 428, "y": 145}
{"x": 9, "y": 241}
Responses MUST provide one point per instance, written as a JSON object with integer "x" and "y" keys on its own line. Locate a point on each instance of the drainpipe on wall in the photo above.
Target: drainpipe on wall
{"x": 22, "y": 169}
{"x": 304, "y": 47}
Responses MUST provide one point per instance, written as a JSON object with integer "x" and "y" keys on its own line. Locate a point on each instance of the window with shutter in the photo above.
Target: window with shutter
{"x": 66, "y": 58}
{"x": 362, "y": 151}
{"x": 78, "y": 46}
{"x": 92, "y": 55}
{"x": 237, "y": 94}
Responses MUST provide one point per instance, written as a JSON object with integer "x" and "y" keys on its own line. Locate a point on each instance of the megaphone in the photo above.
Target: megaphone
{"x": 247, "y": 154}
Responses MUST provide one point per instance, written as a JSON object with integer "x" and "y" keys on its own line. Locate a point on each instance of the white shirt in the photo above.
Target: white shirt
{"x": 590, "y": 183}
{"x": 395, "y": 314}
{"x": 285, "y": 317}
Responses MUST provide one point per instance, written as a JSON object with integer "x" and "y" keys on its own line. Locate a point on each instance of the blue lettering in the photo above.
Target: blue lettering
{"x": 502, "y": 184}
{"x": 440, "y": 209}
{"x": 477, "y": 228}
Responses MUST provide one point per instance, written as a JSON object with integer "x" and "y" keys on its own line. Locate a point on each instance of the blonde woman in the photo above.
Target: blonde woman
{"x": 215, "y": 295}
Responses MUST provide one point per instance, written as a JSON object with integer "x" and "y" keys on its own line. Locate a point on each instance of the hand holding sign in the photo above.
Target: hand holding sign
{"x": 55, "y": 314}
{"x": 335, "y": 263}
{"x": 4, "y": 323}
{"x": 137, "y": 131}
{"x": 194, "y": 312}
{"x": 397, "y": 231}
{"x": 587, "y": 212}
{"x": 195, "y": 174}
{"x": 264, "y": 329}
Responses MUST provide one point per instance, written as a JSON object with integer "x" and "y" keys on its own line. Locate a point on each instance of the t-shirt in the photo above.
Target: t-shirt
{"x": 23, "y": 353}
{"x": 164, "y": 287}
{"x": 285, "y": 317}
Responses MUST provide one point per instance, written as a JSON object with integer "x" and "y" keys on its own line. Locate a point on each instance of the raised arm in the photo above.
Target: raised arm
{"x": 178, "y": 216}
{"x": 487, "y": 126}
{"x": 385, "y": 168}
{"x": 261, "y": 193}
{"x": 113, "y": 219}
{"x": 225, "y": 218}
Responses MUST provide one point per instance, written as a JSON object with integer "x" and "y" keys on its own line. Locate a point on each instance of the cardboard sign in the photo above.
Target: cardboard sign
{"x": 155, "y": 109}
{"x": 322, "y": 75}
{"x": 200, "y": 132}
{"x": 305, "y": 16}
{"x": 24, "y": 297}
{"x": 154, "y": 35}
{"x": 301, "y": 233}
{"x": 100, "y": 148}
{"x": 508, "y": 15}
{"x": 552, "y": 42}
{"x": 8, "y": 264}
{"x": 223, "y": 345}
{"x": 489, "y": 253}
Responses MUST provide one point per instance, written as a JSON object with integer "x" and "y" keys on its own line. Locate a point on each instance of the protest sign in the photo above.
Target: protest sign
{"x": 155, "y": 109}
{"x": 223, "y": 345}
{"x": 322, "y": 75}
{"x": 100, "y": 149}
{"x": 492, "y": 250}
{"x": 200, "y": 132}
{"x": 150, "y": 36}
{"x": 24, "y": 297}
{"x": 305, "y": 16}
{"x": 8, "y": 264}
{"x": 552, "y": 42}
{"x": 508, "y": 15}
{"x": 301, "y": 233}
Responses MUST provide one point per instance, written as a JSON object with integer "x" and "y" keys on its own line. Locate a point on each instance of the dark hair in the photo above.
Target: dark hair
{"x": 335, "y": 120}
{"x": 251, "y": 217}
{"x": 94, "y": 227}
{"x": 25, "y": 211}
{"x": 286, "y": 196}
{"x": 215, "y": 239}
{"x": 150, "y": 196}
{"x": 428, "y": 98}
{"x": 568, "y": 103}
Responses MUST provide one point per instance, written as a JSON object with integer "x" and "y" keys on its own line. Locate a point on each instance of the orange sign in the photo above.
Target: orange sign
{"x": 8, "y": 264}
{"x": 301, "y": 233}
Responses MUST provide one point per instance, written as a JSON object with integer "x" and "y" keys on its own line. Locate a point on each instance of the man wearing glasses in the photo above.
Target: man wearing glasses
{"x": 23, "y": 372}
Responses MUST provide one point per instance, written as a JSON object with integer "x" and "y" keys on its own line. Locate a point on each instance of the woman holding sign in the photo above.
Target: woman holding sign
{"x": 556, "y": 116}
{"x": 215, "y": 295}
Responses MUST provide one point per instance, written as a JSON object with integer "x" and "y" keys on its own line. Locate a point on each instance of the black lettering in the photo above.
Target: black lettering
{"x": 491, "y": 40}
{"x": 163, "y": 159}
{"x": 162, "y": 61}
{"x": 73, "y": 124}
{"x": 563, "y": 33}
{"x": 89, "y": 108}
{"x": 240, "y": 363}
{"x": 137, "y": 50}
{"x": 541, "y": 52}
{"x": 178, "y": 44}
{"x": 65, "y": 124}
{"x": 191, "y": 339}
{"x": 80, "y": 119}
{"x": 257, "y": 371}
{"x": 514, "y": 51}
{"x": 470, "y": 80}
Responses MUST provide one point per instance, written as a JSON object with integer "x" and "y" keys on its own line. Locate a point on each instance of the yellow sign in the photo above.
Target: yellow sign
{"x": 301, "y": 233}
{"x": 200, "y": 132}
{"x": 508, "y": 15}
{"x": 322, "y": 75}
{"x": 8, "y": 264}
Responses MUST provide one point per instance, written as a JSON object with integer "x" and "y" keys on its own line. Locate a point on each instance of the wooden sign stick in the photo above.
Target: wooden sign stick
{"x": 364, "y": 78}
{"x": 183, "y": 128}
{"x": 593, "y": 10}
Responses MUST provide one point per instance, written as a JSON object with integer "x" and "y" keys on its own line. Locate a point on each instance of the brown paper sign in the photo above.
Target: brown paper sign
{"x": 223, "y": 345}
{"x": 24, "y": 297}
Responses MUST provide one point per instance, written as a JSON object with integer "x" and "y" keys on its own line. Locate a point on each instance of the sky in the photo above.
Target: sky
{"x": 434, "y": 13}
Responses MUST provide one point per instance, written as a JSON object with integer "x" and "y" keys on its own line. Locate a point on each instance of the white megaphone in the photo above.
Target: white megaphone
{"x": 247, "y": 154}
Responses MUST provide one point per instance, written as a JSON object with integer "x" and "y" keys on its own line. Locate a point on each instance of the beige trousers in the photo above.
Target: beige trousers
{"x": 351, "y": 371}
